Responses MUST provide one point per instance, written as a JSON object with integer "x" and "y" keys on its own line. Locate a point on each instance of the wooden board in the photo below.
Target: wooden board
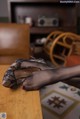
{"x": 19, "y": 104}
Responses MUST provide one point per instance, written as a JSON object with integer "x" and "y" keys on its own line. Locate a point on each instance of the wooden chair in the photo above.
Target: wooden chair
{"x": 17, "y": 104}
{"x": 14, "y": 42}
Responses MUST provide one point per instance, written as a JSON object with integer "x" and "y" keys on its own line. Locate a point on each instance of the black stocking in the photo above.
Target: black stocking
{"x": 50, "y": 76}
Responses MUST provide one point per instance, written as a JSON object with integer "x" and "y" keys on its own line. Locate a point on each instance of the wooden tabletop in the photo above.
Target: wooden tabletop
{"x": 19, "y": 104}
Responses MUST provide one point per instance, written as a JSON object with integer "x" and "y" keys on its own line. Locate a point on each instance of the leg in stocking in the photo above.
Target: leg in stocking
{"x": 43, "y": 78}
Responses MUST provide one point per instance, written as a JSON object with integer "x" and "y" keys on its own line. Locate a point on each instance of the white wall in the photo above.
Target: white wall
{"x": 3, "y": 8}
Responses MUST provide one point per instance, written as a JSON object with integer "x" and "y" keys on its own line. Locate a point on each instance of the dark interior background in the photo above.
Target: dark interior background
{"x": 4, "y": 13}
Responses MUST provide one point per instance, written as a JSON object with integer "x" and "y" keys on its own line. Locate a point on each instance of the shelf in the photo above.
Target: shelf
{"x": 36, "y": 9}
{"x": 47, "y": 30}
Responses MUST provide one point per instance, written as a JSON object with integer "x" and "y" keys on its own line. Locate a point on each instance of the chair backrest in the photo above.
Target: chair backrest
{"x": 14, "y": 42}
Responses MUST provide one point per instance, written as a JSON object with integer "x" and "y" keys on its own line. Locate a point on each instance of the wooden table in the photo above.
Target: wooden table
{"x": 19, "y": 104}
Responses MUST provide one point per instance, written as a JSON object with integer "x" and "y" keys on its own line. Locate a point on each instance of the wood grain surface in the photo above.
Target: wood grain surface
{"x": 19, "y": 104}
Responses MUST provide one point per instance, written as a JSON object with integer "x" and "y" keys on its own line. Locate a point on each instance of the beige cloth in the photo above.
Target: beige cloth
{"x": 60, "y": 101}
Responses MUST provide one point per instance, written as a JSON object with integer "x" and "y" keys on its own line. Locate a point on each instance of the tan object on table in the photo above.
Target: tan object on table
{"x": 59, "y": 46}
{"x": 19, "y": 104}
